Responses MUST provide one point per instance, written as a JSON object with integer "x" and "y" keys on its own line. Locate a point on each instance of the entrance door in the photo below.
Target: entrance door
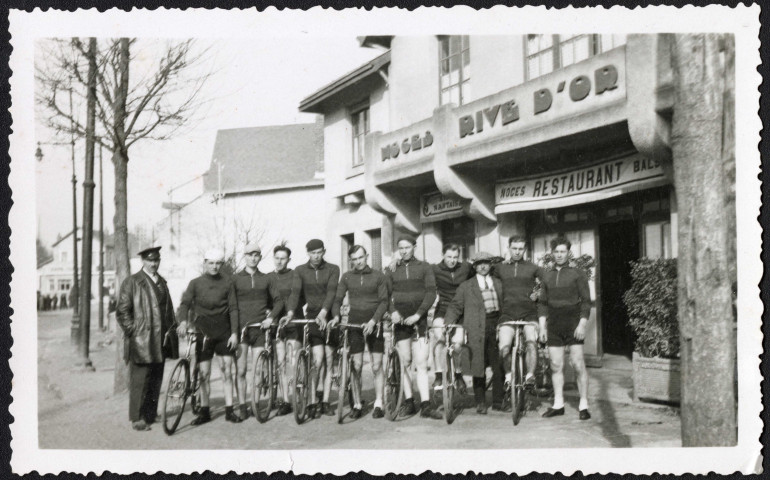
{"x": 619, "y": 245}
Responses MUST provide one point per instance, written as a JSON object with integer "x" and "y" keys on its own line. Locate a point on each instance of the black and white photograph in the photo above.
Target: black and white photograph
{"x": 387, "y": 241}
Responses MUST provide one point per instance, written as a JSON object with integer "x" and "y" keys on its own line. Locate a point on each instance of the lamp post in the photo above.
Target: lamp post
{"x": 101, "y": 241}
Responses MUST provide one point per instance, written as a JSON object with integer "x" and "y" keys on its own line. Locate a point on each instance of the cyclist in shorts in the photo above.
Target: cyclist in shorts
{"x": 258, "y": 297}
{"x": 519, "y": 278}
{"x": 367, "y": 292}
{"x": 317, "y": 281}
{"x": 213, "y": 300}
{"x": 291, "y": 337}
{"x": 449, "y": 273}
{"x": 413, "y": 288}
{"x": 564, "y": 307}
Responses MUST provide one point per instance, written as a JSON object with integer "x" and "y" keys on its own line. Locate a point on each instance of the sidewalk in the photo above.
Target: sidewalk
{"x": 78, "y": 410}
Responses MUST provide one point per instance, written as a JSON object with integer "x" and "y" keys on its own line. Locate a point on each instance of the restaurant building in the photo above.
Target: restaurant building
{"x": 473, "y": 139}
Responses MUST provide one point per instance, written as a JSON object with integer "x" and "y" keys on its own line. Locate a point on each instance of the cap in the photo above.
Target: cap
{"x": 214, "y": 254}
{"x": 408, "y": 238}
{"x": 482, "y": 257}
{"x": 150, "y": 253}
{"x": 314, "y": 244}
{"x": 252, "y": 247}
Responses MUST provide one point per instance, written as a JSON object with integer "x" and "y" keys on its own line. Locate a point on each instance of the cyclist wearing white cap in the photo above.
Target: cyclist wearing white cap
{"x": 213, "y": 299}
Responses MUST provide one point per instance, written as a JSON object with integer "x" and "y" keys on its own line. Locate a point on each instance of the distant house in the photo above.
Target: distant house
{"x": 264, "y": 184}
{"x": 55, "y": 275}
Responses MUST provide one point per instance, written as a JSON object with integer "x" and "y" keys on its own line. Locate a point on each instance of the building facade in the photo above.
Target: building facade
{"x": 55, "y": 276}
{"x": 473, "y": 139}
{"x": 265, "y": 184}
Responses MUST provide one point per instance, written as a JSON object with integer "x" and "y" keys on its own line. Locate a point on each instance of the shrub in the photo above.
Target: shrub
{"x": 652, "y": 309}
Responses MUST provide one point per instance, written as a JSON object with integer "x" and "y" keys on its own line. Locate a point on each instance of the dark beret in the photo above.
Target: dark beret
{"x": 314, "y": 244}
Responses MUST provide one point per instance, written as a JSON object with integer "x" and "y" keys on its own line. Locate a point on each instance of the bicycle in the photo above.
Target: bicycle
{"x": 396, "y": 375}
{"x": 301, "y": 383}
{"x": 448, "y": 386}
{"x": 343, "y": 383}
{"x": 515, "y": 389}
{"x": 266, "y": 382}
{"x": 180, "y": 387}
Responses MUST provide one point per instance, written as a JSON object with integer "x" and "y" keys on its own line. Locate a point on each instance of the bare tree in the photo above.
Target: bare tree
{"x": 157, "y": 104}
{"x": 702, "y": 140}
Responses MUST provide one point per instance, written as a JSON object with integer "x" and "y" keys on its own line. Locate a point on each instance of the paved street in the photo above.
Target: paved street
{"x": 78, "y": 410}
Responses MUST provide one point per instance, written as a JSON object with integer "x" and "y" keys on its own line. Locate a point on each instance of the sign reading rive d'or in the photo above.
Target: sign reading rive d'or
{"x": 604, "y": 176}
{"x": 435, "y": 207}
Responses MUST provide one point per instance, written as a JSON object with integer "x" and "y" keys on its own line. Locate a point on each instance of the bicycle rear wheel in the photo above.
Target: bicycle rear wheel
{"x": 177, "y": 391}
{"x": 261, "y": 398}
{"x": 301, "y": 388}
{"x": 344, "y": 387}
{"x": 449, "y": 389}
{"x": 517, "y": 385}
{"x": 394, "y": 391}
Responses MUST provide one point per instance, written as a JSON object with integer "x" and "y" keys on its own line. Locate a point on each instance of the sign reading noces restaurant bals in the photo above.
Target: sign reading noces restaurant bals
{"x": 604, "y": 176}
{"x": 436, "y": 206}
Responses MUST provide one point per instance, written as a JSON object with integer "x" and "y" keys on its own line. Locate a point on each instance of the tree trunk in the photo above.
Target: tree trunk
{"x": 120, "y": 221}
{"x": 708, "y": 407}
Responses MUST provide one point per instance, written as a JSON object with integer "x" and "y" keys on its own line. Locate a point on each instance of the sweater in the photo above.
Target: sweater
{"x": 519, "y": 280}
{"x": 257, "y": 294}
{"x": 367, "y": 292}
{"x": 413, "y": 287}
{"x": 565, "y": 287}
{"x": 213, "y": 300}
{"x": 284, "y": 280}
{"x": 318, "y": 285}
{"x": 447, "y": 281}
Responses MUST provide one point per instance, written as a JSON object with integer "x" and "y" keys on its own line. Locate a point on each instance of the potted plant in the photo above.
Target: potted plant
{"x": 652, "y": 314}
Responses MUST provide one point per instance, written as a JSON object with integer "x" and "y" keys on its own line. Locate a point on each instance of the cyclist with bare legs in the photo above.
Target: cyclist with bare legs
{"x": 289, "y": 344}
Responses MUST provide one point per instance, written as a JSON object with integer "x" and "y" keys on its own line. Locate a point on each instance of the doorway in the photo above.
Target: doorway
{"x": 619, "y": 245}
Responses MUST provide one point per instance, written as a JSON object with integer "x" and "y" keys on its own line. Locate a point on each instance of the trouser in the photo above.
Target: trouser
{"x": 491, "y": 359}
{"x": 146, "y": 380}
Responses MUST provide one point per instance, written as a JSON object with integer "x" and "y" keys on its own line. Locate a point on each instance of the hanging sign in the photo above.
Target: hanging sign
{"x": 436, "y": 206}
{"x": 581, "y": 185}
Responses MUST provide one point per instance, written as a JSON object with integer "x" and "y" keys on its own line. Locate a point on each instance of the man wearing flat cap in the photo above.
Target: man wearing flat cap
{"x": 478, "y": 302}
{"x": 316, "y": 281}
{"x": 146, "y": 315}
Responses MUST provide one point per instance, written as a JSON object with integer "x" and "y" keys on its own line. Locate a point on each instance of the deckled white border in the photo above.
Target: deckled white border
{"x": 24, "y": 27}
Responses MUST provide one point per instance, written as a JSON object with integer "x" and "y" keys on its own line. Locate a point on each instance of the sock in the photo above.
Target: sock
{"x": 378, "y": 403}
{"x": 558, "y": 403}
{"x": 583, "y": 404}
{"x": 508, "y": 377}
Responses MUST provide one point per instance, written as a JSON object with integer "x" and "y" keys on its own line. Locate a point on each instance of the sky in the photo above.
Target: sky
{"x": 256, "y": 82}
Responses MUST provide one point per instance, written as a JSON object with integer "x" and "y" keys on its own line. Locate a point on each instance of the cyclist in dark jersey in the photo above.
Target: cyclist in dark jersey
{"x": 289, "y": 343}
{"x": 213, "y": 299}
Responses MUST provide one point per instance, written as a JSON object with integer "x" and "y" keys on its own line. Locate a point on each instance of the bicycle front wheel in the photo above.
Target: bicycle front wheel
{"x": 195, "y": 390}
{"x": 261, "y": 398}
{"x": 344, "y": 387}
{"x": 301, "y": 388}
{"x": 448, "y": 388}
{"x": 517, "y": 386}
{"x": 393, "y": 386}
{"x": 177, "y": 390}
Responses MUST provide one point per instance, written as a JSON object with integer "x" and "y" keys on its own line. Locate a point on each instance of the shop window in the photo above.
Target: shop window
{"x": 360, "y": 125}
{"x": 64, "y": 285}
{"x": 454, "y": 69}
{"x": 461, "y": 231}
{"x": 657, "y": 239}
{"x": 347, "y": 242}
{"x": 546, "y": 53}
{"x": 375, "y": 256}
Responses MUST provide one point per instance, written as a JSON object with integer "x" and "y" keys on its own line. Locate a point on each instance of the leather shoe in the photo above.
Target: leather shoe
{"x": 427, "y": 411}
{"x": 284, "y": 409}
{"x": 584, "y": 415}
{"x": 310, "y": 410}
{"x": 327, "y": 409}
{"x": 378, "y": 413}
{"x": 201, "y": 419}
{"x": 408, "y": 408}
{"x": 140, "y": 425}
{"x": 481, "y": 408}
{"x": 356, "y": 413}
{"x": 460, "y": 385}
{"x": 231, "y": 417}
{"x": 553, "y": 412}
{"x": 497, "y": 407}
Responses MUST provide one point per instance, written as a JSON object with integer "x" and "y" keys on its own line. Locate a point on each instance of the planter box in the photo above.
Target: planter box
{"x": 656, "y": 379}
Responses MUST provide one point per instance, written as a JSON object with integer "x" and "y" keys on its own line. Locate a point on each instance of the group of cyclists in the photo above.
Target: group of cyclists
{"x": 228, "y": 312}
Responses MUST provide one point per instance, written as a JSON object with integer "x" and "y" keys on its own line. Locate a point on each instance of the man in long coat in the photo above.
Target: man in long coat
{"x": 478, "y": 301}
{"x": 146, "y": 315}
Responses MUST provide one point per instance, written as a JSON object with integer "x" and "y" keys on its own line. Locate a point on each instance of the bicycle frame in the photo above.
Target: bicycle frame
{"x": 515, "y": 388}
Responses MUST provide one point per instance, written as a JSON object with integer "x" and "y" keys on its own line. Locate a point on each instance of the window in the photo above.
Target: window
{"x": 462, "y": 231}
{"x": 360, "y": 121}
{"x": 657, "y": 239}
{"x": 375, "y": 256}
{"x": 347, "y": 242}
{"x": 454, "y": 69}
{"x": 63, "y": 257}
{"x": 64, "y": 285}
{"x": 543, "y": 57}
{"x": 51, "y": 285}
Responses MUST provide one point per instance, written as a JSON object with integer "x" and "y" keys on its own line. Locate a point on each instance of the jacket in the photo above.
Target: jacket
{"x": 468, "y": 304}
{"x": 412, "y": 287}
{"x": 519, "y": 280}
{"x": 256, "y": 294}
{"x": 317, "y": 285}
{"x": 144, "y": 322}
{"x": 367, "y": 293}
{"x": 563, "y": 288}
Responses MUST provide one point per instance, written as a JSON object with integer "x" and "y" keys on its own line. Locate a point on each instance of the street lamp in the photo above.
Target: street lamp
{"x": 75, "y": 326}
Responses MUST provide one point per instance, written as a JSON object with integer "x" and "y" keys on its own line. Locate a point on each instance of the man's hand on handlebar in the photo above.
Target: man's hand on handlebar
{"x": 412, "y": 319}
{"x": 542, "y": 333}
{"x": 395, "y": 318}
{"x": 369, "y": 327}
{"x": 266, "y": 323}
{"x": 283, "y": 321}
{"x": 181, "y": 330}
{"x": 333, "y": 322}
{"x": 321, "y": 319}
